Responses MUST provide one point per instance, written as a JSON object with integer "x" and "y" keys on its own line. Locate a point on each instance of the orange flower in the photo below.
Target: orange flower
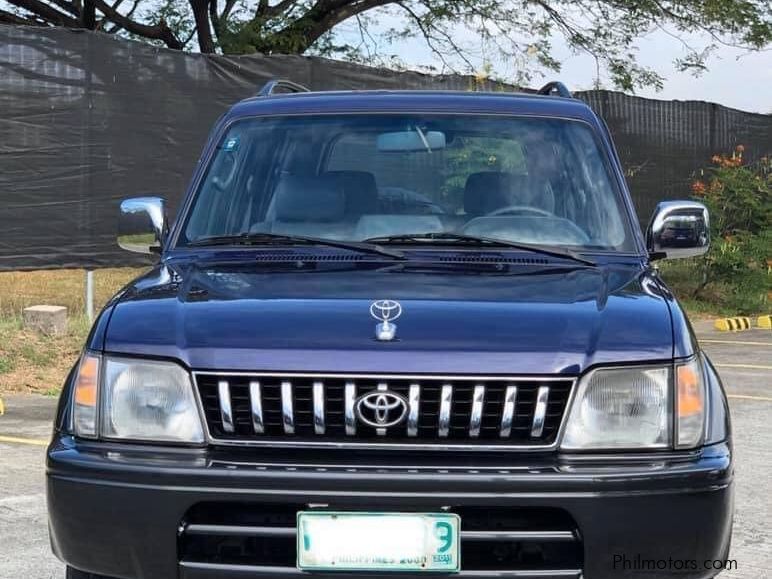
{"x": 717, "y": 159}
{"x": 698, "y": 188}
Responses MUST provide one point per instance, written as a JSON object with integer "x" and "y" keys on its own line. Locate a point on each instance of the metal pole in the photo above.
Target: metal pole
{"x": 90, "y": 295}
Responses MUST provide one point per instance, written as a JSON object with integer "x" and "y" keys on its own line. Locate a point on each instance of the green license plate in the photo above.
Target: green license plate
{"x": 345, "y": 541}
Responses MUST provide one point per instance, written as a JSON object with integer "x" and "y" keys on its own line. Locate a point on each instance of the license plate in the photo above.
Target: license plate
{"x": 329, "y": 541}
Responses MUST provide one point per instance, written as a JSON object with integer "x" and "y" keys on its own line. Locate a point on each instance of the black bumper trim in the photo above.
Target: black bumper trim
{"x": 240, "y": 530}
{"x": 191, "y": 570}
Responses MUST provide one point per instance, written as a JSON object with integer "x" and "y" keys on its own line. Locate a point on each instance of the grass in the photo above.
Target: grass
{"x": 19, "y": 289}
{"x": 29, "y": 361}
{"x": 32, "y": 362}
{"x": 716, "y": 299}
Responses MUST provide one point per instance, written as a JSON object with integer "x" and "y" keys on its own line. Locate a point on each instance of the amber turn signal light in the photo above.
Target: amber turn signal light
{"x": 690, "y": 405}
{"x": 690, "y": 400}
{"x": 85, "y": 396}
{"x": 86, "y": 382}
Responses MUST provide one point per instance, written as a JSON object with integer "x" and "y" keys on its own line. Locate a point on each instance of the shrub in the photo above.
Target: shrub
{"x": 735, "y": 274}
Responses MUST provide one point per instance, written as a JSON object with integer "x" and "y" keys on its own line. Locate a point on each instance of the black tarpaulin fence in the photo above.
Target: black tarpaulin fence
{"x": 87, "y": 119}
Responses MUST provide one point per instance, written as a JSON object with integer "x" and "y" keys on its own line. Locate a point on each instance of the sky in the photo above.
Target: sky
{"x": 735, "y": 78}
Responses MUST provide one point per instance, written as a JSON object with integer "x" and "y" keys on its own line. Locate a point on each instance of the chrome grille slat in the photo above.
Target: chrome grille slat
{"x": 256, "y": 407}
{"x": 446, "y": 400}
{"x": 226, "y": 412}
{"x": 383, "y": 387}
{"x": 287, "y": 407}
{"x": 350, "y": 395}
{"x": 508, "y": 412}
{"x": 542, "y": 397}
{"x": 318, "y": 390}
{"x": 440, "y": 412}
{"x": 414, "y": 409}
{"x": 475, "y": 419}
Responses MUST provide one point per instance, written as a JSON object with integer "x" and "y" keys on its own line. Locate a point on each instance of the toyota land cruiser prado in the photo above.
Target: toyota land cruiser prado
{"x": 407, "y": 332}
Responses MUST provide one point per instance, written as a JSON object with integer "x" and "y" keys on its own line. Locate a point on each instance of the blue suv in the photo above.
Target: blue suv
{"x": 410, "y": 333}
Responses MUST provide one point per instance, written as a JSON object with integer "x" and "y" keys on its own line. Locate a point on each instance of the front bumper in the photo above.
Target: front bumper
{"x": 122, "y": 511}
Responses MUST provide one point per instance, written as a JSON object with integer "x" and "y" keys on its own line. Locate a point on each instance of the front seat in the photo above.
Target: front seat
{"x": 308, "y": 205}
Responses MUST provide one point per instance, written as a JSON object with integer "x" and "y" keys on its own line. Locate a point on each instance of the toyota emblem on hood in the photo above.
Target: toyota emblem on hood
{"x": 386, "y": 311}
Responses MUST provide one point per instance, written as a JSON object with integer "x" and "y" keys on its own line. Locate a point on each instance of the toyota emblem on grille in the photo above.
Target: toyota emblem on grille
{"x": 381, "y": 409}
{"x": 386, "y": 311}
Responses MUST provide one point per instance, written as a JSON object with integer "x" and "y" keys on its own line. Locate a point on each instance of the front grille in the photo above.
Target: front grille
{"x": 495, "y": 542}
{"x": 311, "y": 409}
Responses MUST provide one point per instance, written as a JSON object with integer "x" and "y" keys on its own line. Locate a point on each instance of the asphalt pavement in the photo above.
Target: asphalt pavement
{"x": 744, "y": 360}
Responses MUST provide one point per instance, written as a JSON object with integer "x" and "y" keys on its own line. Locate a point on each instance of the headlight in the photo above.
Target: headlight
{"x": 143, "y": 400}
{"x": 632, "y": 408}
{"x": 621, "y": 408}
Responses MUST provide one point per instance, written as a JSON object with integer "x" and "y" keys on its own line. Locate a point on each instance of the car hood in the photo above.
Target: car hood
{"x": 315, "y": 317}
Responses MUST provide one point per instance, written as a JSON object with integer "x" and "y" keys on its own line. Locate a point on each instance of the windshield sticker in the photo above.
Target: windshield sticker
{"x": 231, "y": 144}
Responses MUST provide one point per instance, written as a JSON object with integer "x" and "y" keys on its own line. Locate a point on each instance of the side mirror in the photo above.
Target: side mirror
{"x": 678, "y": 229}
{"x": 142, "y": 226}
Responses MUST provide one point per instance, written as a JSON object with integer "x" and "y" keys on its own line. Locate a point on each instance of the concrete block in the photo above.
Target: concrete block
{"x": 49, "y": 320}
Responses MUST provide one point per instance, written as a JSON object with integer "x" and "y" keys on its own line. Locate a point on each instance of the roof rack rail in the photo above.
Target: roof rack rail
{"x": 273, "y": 85}
{"x": 555, "y": 88}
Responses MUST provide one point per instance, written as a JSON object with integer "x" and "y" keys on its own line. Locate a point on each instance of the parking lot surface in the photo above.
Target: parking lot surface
{"x": 744, "y": 361}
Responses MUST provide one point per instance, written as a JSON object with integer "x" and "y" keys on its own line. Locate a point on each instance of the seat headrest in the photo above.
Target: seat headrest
{"x": 309, "y": 198}
{"x": 360, "y": 190}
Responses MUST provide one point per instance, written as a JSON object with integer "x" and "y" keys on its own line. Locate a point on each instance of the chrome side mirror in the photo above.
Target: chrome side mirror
{"x": 142, "y": 226}
{"x": 678, "y": 229}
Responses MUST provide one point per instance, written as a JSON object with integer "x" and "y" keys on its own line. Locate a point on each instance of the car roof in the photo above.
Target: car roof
{"x": 413, "y": 101}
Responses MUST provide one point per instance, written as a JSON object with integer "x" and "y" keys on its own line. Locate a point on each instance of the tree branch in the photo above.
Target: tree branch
{"x": 426, "y": 32}
{"x": 68, "y": 7}
{"x": 117, "y": 27}
{"x": 269, "y": 12}
{"x": 159, "y": 31}
{"x": 322, "y": 17}
{"x": 10, "y": 18}
{"x": 46, "y": 13}
{"x": 100, "y": 25}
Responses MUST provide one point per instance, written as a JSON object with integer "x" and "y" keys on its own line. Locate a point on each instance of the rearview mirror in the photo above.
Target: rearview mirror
{"x": 407, "y": 141}
{"x": 678, "y": 229}
{"x": 142, "y": 226}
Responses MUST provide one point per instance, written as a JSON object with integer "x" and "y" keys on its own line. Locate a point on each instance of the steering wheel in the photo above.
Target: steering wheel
{"x": 520, "y": 209}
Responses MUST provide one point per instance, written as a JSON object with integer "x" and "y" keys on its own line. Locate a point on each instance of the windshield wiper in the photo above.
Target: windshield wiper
{"x": 278, "y": 239}
{"x": 492, "y": 241}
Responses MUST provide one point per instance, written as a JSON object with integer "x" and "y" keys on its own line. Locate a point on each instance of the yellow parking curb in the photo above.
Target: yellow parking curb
{"x": 18, "y": 440}
{"x": 736, "y": 324}
{"x": 735, "y": 342}
{"x": 746, "y": 397}
{"x": 744, "y": 366}
{"x": 764, "y": 322}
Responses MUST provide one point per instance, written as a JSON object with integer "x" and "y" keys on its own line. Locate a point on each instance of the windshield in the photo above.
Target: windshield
{"x": 352, "y": 177}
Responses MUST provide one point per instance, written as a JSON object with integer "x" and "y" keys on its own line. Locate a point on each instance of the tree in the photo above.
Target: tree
{"x": 521, "y": 31}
